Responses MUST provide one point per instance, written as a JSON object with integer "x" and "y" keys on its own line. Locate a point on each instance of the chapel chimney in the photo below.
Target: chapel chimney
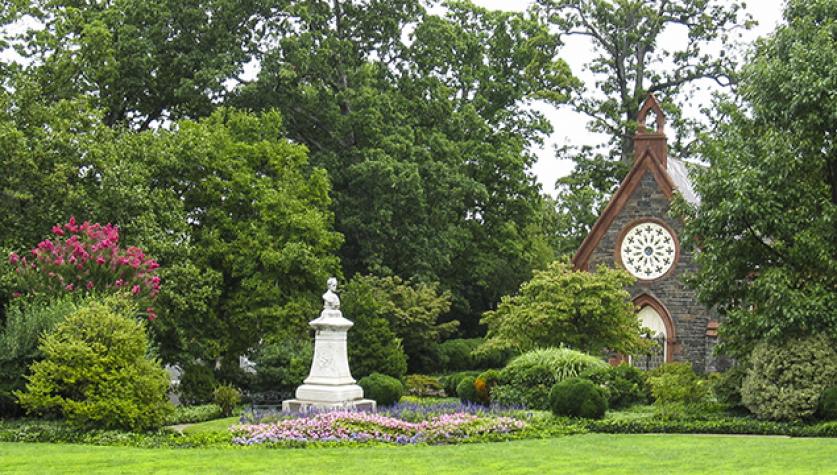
{"x": 651, "y": 140}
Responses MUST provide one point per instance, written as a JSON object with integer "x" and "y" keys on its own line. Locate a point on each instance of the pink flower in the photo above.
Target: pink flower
{"x": 14, "y": 258}
{"x": 16, "y": 294}
{"x": 57, "y": 230}
{"x": 89, "y": 285}
{"x": 135, "y": 290}
{"x": 119, "y": 283}
{"x": 100, "y": 260}
{"x": 69, "y": 287}
{"x": 71, "y": 225}
{"x": 152, "y": 315}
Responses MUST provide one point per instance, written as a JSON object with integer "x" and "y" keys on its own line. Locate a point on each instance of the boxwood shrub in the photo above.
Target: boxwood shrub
{"x": 466, "y": 391}
{"x": 577, "y": 397}
{"x": 623, "y": 385}
{"x": 827, "y": 408}
{"x": 383, "y": 389}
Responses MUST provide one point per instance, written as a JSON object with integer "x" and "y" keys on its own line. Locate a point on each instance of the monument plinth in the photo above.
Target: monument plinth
{"x": 329, "y": 384}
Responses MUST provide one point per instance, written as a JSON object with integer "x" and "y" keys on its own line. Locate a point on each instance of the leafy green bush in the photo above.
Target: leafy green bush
{"x": 96, "y": 374}
{"x": 623, "y": 385}
{"x": 827, "y": 407}
{"x": 484, "y": 383}
{"x": 197, "y": 384}
{"x": 466, "y": 391}
{"x": 731, "y": 425}
{"x": 677, "y": 383}
{"x": 227, "y": 398}
{"x": 423, "y": 385}
{"x": 383, "y": 389}
{"x": 785, "y": 381}
{"x": 528, "y": 378}
{"x": 451, "y": 381}
{"x": 192, "y": 414}
{"x": 726, "y": 385}
{"x": 282, "y": 363}
{"x": 577, "y": 397}
{"x": 455, "y": 354}
{"x": 695, "y": 411}
{"x": 26, "y": 322}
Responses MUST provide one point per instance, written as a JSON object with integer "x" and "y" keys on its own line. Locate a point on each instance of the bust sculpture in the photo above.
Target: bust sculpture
{"x": 331, "y": 301}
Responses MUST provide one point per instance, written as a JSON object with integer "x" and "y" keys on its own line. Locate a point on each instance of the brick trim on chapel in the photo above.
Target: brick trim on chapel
{"x": 635, "y": 232}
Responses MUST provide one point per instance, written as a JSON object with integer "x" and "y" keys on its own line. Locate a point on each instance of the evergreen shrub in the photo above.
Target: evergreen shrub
{"x": 383, "y": 389}
{"x": 422, "y": 385}
{"x": 227, "y": 398}
{"x": 726, "y": 385}
{"x": 785, "y": 381}
{"x": 456, "y": 354}
{"x": 528, "y": 379}
{"x": 197, "y": 384}
{"x": 484, "y": 383}
{"x": 451, "y": 381}
{"x": 282, "y": 363}
{"x": 827, "y": 408}
{"x": 623, "y": 385}
{"x": 466, "y": 390}
{"x": 95, "y": 373}
{"x": 577, "y": 397}
{"x": 677, "y": 383}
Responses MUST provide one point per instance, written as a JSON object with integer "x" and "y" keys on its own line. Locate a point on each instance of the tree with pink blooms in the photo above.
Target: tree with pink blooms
{"x": 87, "y": 258}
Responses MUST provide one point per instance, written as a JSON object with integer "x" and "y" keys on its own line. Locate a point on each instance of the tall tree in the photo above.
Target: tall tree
{"x": 766, "y": 224}
{"x": 426, "y": 138}
{"x": 143, "y": 61}
{"x": 629, "y": 62}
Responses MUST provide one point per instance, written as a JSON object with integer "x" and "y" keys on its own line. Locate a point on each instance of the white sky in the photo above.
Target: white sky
{"x": 570, "y": 127}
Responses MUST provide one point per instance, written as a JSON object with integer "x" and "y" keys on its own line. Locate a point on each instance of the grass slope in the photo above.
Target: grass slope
{"x": 592, "y": 453}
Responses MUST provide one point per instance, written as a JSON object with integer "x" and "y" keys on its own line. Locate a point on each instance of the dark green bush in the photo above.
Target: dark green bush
{"x": 827, "y": 407}
{"x": 197, "y": 384}
{"x": 227, "y": 398}
{"x": 785, "y": 381}
{"x": 727, "y": 385}
{"x": 455, "y": 354}
{"x": 577, "y": 397}
{"x": 677, "y": 383}
{"x": 623, "y": 385}
{"x": 466, "y": 391}
{"x": 374, "y": 348}
{"x": 95, "y": 373}
{"x": 383, "y": 389}
{"x": 451, "y": 381}
{"x": 484, "y": 383}
{"x": 732, "y": 425}
{"x": 282, "y": 363}
{"x": 528, "y": 379}
{"x": 26, "y": 322}
{"x": 422, "y": 385}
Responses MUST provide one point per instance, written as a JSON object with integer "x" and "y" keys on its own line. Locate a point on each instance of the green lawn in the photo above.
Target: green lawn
{"x": 591, "y": 453}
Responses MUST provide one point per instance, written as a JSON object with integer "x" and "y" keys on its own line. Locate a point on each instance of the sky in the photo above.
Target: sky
{"x": 570, "y": 127}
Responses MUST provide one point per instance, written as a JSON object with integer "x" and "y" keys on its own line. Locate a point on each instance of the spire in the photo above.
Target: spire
{"x": 651, "y": 140}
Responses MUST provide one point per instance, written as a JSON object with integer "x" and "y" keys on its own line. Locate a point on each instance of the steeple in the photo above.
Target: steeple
{"x": 651, "y": 140}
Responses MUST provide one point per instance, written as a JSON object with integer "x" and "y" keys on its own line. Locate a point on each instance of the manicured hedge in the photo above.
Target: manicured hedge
{"x": 722, "y": 426}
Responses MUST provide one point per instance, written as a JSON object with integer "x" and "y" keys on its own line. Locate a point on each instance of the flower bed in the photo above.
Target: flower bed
{"x": 347, "y": 426}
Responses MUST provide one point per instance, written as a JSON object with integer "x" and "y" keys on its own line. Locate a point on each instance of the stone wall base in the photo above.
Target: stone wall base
{"x": 298, "y": 405}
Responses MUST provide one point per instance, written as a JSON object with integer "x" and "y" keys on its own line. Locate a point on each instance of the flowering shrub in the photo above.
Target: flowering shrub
{"x": 87, "y": 258}
{"x": 348, "y": 426}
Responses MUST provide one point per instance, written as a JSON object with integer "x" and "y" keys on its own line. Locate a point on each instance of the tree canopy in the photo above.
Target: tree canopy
{"x": 766, "y": 224}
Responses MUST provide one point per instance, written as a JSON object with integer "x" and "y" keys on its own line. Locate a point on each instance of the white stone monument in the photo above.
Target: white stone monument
{"x": 329, "y": 385}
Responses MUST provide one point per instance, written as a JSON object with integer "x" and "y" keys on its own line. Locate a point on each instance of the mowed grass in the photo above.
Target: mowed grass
{"x": 591, "y": 453}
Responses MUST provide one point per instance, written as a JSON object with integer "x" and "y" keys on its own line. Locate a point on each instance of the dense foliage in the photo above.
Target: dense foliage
{"x": 677, "y": 383}
{"x": 785, "y": 382}
{"x": 577, "y": 397}
{"x": 623, "y": 385}
{"x": 591, "y": 312}
{"x": 383, "y": 389}
{"x": 227, "y": 398}
{"x": 528, "y": 378}
{"x": 466, "y": 390}
{"x": 282, "y": 363}
{"x": 26, "y": 322}
{"x": 766, "y": 224}
{"x": 827, "y": 407}
{"x": 95, "y": 373}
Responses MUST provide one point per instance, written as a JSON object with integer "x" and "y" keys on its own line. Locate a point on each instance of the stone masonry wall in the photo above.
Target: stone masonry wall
{"x": 689, "y": 316}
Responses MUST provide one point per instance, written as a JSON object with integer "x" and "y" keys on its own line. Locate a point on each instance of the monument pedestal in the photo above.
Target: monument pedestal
{"x": 329, "y": 385}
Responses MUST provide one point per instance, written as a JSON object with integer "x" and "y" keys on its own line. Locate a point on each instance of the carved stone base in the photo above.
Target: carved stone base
{"x": 329, "y": 394}
{"x": 298, "y": 405}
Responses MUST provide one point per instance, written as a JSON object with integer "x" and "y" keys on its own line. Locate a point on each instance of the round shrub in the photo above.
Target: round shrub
{"x": 484, "y": 383}
{"x": 785, "y": 381}
{"x": 827, "y": 409}
{"x": 455, "y": 354}
{"x": 95, "y": 373}
{"x": 577, "y": 397}
{"x": 196, "y": 385}
{"x": 227, "y": 398}
{"x": 451, "y": 381}
{"x": 726, "y": 386}
{"x": 623, "y": 385}
{"x": 383, "y": 389}
{"x": 466, "y": 390}
{"x": 528, "y": 378}
{"x": 422, "y": 385}
{"x": 282, "y": 362}
{"x": 677, "y": 383}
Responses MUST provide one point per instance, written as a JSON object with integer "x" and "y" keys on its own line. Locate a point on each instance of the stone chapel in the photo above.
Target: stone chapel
{"x": 636, "y": 232}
